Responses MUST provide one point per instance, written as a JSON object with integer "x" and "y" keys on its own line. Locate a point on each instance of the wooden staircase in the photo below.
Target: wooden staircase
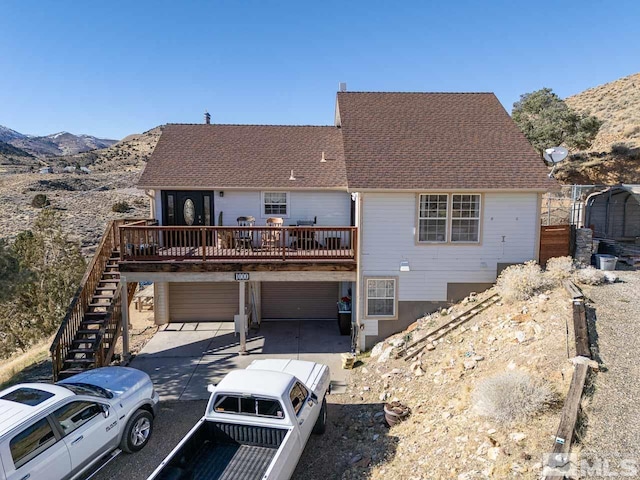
{"x": 88, "y": 334}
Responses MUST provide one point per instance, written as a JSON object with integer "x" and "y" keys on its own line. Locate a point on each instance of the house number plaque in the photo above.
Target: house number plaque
{"x": 242, "y": 277}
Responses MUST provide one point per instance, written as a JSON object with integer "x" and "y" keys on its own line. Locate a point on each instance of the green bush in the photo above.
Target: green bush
{"x": 121, "y": 207}
{"x": 40, "y": 200}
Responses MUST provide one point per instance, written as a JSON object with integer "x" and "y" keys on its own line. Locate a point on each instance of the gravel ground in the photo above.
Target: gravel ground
{"x": 612, "y": 411}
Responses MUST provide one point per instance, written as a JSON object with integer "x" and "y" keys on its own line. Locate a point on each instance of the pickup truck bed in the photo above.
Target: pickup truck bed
{"x": 225, "y": 451}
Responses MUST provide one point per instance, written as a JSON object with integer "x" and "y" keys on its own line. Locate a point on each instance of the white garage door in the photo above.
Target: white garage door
{"x": 203, "y": 301}
{"x": 299, "y": 300}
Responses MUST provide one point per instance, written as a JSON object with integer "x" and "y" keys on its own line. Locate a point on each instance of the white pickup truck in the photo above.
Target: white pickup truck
{"x": 256, "y": 425}
{"x": 59, "y": 432}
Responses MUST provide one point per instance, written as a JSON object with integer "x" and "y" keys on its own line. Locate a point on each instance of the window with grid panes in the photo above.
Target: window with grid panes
{"x": 381, "y": 297}
{"x": 275, "y": 203}
{"x": 432, "y": 218}
{"x": 465, "y": 218}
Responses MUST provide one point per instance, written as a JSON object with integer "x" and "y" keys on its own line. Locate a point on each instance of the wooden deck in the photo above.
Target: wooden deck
{"x": 218, "y": 245}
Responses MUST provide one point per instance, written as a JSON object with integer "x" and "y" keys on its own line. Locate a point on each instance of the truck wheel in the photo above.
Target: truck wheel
{"x": 321, "y": 423}
{"x": 137, "y": 432}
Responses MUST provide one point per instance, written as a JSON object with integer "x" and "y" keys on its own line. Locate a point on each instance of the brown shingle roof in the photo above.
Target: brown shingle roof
{"x": 442, "y": 141}
{"x": 246, "y": 156}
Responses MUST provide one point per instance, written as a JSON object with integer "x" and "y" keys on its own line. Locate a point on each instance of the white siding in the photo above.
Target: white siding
{"x": 332, "y": 208}
{"x": 509, "y": 226}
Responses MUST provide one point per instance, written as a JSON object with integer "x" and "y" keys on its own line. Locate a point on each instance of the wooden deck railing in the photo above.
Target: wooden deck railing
{"x": 158, "y": 243}
{"x": 78, "y": 306}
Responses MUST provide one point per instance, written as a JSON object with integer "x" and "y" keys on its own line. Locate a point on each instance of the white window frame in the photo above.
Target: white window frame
{"x": 446, "y": 218}
{"x": 263, "y": 205}
{"x": 450, "y": 220}
{"x": 478, "y": 218}
{"x": 394, "y": 315}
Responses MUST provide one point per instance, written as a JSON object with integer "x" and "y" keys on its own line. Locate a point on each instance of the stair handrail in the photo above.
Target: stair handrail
{"x": 78, "y": 306}
{"x": 75, "y": 312}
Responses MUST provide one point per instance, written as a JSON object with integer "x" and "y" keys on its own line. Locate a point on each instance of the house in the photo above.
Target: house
{"x": 408, "y": 202}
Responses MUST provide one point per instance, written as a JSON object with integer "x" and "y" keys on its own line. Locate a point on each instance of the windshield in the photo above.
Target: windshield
{"x": 87, "y": 389}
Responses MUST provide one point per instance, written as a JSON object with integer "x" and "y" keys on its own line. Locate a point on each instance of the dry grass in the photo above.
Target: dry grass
{"x": 559, "y": 269}
{"x": 512, "y": 396}
{"x": 617, "y": 103}
{"x": 590, "y": 276}
{"x": 11, "y": 367}
{"x": 520, "y": 282}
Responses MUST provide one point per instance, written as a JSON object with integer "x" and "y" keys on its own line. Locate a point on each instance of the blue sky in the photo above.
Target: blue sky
{"x": 113, "y": 68}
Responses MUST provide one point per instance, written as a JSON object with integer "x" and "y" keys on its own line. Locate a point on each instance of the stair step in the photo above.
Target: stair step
{"x": 87, "y": 331}
{"x": 95, "y": 314}
{"x": 79, "y": 360}
{"x": 96, "y": 305}
{"x": 82, "y": 350}
{"x": 69, "y": 372}
{"x": 84, "y": 341}
{"x": 102, "y": 289}
{"x": 86, "y": 323}
{"x": 105, "y": 297}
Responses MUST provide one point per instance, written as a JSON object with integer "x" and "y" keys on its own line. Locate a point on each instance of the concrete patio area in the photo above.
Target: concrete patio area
{"x": 183, "y": 358}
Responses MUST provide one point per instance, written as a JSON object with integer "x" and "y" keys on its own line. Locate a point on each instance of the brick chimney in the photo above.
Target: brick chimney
{"x": 207, "y": 118}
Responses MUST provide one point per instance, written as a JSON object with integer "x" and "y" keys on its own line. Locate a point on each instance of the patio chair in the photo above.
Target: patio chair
{"x": 244, "y": 238}
{"x": 271, "y": 239}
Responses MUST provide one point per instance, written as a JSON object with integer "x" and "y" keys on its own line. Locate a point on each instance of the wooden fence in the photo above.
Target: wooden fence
{"x": 555, "y": 241}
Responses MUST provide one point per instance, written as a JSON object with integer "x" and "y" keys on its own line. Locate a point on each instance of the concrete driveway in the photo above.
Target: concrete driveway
{"x": 183, "y": 358}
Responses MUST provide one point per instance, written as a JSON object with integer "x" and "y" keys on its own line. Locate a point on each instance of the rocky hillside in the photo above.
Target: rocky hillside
{"x": 615, "y": 154}
{"x": 84, "y": 202}
{"x": 129, "y": 154}
{"x": 617, "y": 104}
{"x": 10, "y": 155}
{"x": 62, "y": 143}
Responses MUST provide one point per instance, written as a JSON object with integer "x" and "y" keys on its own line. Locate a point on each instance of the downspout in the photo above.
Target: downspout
{"x": 360, "y": 347}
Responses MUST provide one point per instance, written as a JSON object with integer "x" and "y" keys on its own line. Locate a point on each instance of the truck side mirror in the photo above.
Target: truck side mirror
{"x": 313, "y": 397}
{"x": 105, "y": 410}
{"x": 211, "y": 388}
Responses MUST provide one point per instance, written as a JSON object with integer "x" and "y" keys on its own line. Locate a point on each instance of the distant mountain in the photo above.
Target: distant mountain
{"x": 57, "y": 144}
{"x": 129, "y": 154}
{"x": 6, "y": 134}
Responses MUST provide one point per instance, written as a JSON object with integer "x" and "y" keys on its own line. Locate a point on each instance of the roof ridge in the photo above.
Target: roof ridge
{"x": 250, "y": 125}
{"x": 422, "y": 93}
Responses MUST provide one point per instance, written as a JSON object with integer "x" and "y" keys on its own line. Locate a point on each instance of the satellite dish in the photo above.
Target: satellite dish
{"x": 555, "y": 154}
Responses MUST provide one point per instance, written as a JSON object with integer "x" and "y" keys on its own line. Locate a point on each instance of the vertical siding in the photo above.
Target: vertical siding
{"x": 509, "y": 225}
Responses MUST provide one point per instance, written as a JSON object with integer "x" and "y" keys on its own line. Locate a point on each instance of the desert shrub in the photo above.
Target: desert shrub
{"x": 589, "y": 276}
{"x": 520, "y": 282}
{"x": 512, "y": 396}
{"x": 621, "y": 149}
{"x": 40, "y": 200}
{"x": 558, "y": 269}
{"x": 121, "y": 207}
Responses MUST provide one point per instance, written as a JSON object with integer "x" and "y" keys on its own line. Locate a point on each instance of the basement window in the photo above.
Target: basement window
{"x": 381, "y": 297}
